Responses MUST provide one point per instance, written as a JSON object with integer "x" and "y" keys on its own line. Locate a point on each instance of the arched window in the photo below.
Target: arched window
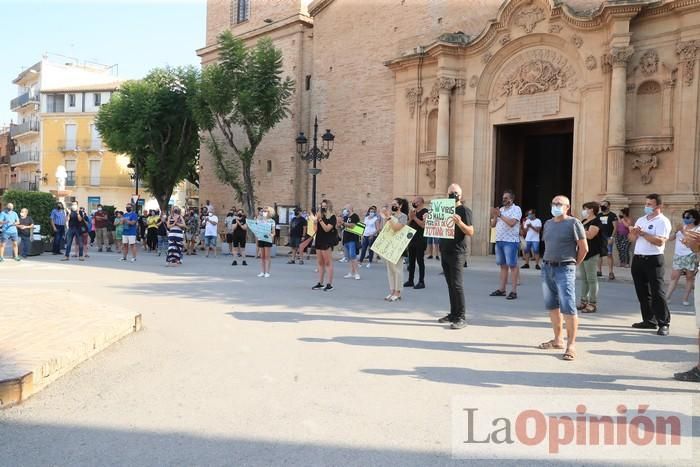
{"x": 431, "y": 137}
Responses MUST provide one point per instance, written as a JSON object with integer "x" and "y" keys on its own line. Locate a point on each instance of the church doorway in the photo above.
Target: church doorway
{"x": 535, "y": 161}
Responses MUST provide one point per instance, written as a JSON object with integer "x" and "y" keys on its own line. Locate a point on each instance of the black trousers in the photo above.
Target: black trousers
{"x": 648, "y": 276}
{"x": 416, "y": 253}
{"x": 452, "y": 260}
{"x": 152, "y": 239}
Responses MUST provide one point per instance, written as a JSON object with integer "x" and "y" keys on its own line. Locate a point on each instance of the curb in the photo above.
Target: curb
{"x": 14, "y": 391}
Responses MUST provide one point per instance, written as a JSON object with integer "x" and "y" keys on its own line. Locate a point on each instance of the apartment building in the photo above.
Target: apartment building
{"x": 6, "y": 148}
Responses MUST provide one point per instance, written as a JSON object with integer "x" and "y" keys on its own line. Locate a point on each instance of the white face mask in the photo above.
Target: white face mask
{"x": 584, "y": 213}
{"x": 264, "y": 214}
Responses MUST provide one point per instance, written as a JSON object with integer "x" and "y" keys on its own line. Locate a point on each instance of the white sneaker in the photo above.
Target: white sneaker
{"x": 348, "y": 276}
{"x": 368, "y": 265}
{"x": 133, "y": 260}
{"x": 343, "y": 260}
{"x": 686, "y": 303}
{"x": 262, "y": 274}
{"x": 267, "y": 274}
{"x": 357, "y": 277}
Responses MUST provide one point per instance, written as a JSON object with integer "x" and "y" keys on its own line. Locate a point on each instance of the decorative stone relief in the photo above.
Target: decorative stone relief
{"x": 486, "y": 57}
{"x": 445, "y": 84}
{"x": 649, "y": 87}
{"x": 435, "y": 94}
{"x": 619, "y": 56}
{"x": 413, "y": 98}
{"x": 591, "y": 62}
{"x": 536, "y": 71}
{"x": 649, "y": 62}
{"x": 460, "y": 85}
{"x": 688, "y": 51}
{"x": 473, "y": 81}
{"x": 505, "y": 38}
{"x": 555, "y": 28}
{"x": 645, "y": 150}
{"x": 645, "y": 164}
{"x": 577, "y": 41}
{"x": 430, "y": 171}
{"x": 528, "y": 18}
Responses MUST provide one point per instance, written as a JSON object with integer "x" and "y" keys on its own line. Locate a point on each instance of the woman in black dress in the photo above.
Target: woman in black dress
{"x": 326, "y": 239}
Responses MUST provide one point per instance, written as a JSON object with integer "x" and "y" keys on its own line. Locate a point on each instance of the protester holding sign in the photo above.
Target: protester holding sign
{"x": 264, "y": 230}
{"x": 326, "y": 239}
{"x": 350, "y": 223}
{"x": 369, "y": 235}
{"x": 416, "y": 249}
{"x": 453, "y": 252}
{"x": 395, "y": 220}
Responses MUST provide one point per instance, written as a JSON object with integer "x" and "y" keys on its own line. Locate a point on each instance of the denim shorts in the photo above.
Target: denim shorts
{"x": 9, "y": 236}
{"x": 507, "y": 253}
{"x": 532, "y": 247}
{"x": 210, "y": 241}
{"x": 559, "y": 288}
{"x": 350, "y": 250}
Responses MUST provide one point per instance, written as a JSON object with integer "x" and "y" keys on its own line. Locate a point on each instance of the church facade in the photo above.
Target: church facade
{"x": 592, "y": 100}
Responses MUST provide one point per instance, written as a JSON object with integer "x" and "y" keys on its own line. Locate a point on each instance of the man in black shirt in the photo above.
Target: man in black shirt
{"x": 351, "y": 242}
{"x": 608, "y": 219}
{"x": 297, "y": 226}
{"x": 416, "y": 249}
{"x": 453, "y": 254}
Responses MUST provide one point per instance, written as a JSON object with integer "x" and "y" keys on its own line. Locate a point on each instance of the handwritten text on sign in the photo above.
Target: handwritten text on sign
{"x": 439, "y": 222}
{"x": 390, "y": 245}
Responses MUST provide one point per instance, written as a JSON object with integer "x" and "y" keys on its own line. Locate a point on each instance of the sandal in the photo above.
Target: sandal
{"x": 550, "y": 345}
{"x": 590, "y": 308}
{"x": 395, "y": 298}
{"x": 582, "y": 306}
{"x": 569, "y": 355}
{"x": 512, "y": 296}
{"x": 498, "y": 293}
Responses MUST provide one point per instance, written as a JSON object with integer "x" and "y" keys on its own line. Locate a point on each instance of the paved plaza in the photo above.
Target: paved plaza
{"x": 231, "y": 369}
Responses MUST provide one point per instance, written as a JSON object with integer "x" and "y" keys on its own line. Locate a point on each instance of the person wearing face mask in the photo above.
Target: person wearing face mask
{"x": 192, "y": 231}
{"x": 506, "y": 219}
{"x": 26, "y": 230}
{"x": 130, "y": 222}
{"x": 684, "y": 259}
{"x": 100, "y": 220}
{"x": 58, "y": 226}
{"x": 649, "y": 235}
{"x": 587, "y": 269}
{"x": 297, "y": 230}
{"x": 266, "y": 217}
{"x": 453, "y": 254}
{"x": 416, "y": 249}
{"x": 162, "y": 235}
{"x": 372, "y": 222}
{"x": 565, "y": 248}
{"x": 240, "y": 231}
{"x": 211, "y": 223}
{"x": 118, "y": 230}
{"x": 350, "y": 241}
{"x": 175, "y": 228}
{"x": 396, "y": 219}
{"x": 622, "y": 232}
{"x": 8, "y": 231}
{"x": 75, "y": 223}
{"x": 609, "y": 221}
{"x": 326, "y": 238}
{"x": 229, "y": 223}
{"x": 531, "y": 228}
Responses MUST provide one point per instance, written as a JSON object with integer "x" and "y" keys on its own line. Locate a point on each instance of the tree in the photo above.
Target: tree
{"x": 152, "y": 121}
{"x": 242, "y": 97}
{"x": 38, "y": 203}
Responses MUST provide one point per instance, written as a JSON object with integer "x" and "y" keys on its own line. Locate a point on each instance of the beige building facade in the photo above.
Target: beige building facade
{"x": 589, "y": 99}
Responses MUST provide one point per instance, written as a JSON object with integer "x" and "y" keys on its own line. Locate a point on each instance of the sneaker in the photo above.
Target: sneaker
{"x": 301, "y": 261}
{"x": 537, "y": 266}
{"x": 348, "y": 276}
{"x": 437, "y": 258}
{"x": 525, "y": 266}
{"x": 99, "y": 250}
{"x": 133, "y": 260}
{"x": 644, "y": 325}
{"x": 368, "y": 265}
{"x": 420, "y": 285}
{"x": 318, "y": 286}
{"x": 686, "y": 303}
{"x": 690, "y": 375}
{"x": 408, "y": 284}
{"x": 244, "y": 263}
{"x": 122, "y": 259}
{"x": 343, "y": 260}
{"x": 459, "y": 324}
{"x": 262, "y": 274}
{"x": 291, "y": 261}
{"x": 235, "y": 263}
{"x": 109, "y": 250}
{"x": 599, "y": 274}
{"x": 357, "y": 277}
{"x": 445, "y": 319}
{"x": 328, "y": 288}
{"x": 430, "y": 257}
{"x": 267, "y": 274}
{"x": 17, "y": 258}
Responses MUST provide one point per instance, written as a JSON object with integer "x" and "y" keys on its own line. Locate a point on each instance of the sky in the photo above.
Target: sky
{"x": 137, "y": 35}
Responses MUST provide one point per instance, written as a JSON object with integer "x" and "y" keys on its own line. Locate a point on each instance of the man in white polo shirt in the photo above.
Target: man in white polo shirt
{"x": 650, "y": 233}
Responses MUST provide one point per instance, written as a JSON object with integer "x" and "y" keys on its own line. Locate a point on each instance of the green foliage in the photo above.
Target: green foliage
{"x": 152, "y": 121}
{"x": 242, "y": 97}
{"x": 39, "y": 204}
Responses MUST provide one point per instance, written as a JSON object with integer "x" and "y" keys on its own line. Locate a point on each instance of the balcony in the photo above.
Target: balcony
{"x": 69, "y": 145}
{"x": 4, "y": 160}
{"x": 22, "y": 100}
{"x": 91, "y": 146}
{"x": 113, "y": 182}
{"x": 28, "y": 126}
{"x": 25, "y": 186}
{"x": 25, "y": 157}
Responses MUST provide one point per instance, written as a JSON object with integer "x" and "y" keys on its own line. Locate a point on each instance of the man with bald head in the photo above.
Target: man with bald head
{"x": 453, "y": 254}
{"x": 565, "y": 248}
{"x": 416, "y": 249}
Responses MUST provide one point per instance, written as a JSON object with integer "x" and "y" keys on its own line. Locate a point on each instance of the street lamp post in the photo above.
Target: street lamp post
{"x": 135, "y": 168}
{"x": 315, "y": 153}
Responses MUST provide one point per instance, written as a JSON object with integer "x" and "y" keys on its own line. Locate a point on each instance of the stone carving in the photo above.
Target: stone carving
{"x": 460, "y": 85}
{"x": 555, "y": 28}
{"x": 591, "y": 62}
{"x": 505, "y": 39}
{"x": 528, "y": 18}
{"x": 577, "y": 41}
{"x": 535, "y": 71}
{"x": 435, "y": 94}
{"x": 413, "y": 98}
{"x": 473, "y": 81}
{"x": 649, "y": 87}
{"x": 649, "y": 62}
{"x": 486, "y": 57}
{"x": 619, "y": 56}
{"x": 645, "y": 164}
{"x": 688, "y": 52}
{"x": 430, "y": 172}
{"x": 445, "y": 84}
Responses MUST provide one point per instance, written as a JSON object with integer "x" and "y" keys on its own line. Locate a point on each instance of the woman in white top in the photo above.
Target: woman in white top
{"x": 266, "y": 216}
{"x": 372, "y": 222}
{"x": 397, "y": 218}
{"x": 683, "y": 257}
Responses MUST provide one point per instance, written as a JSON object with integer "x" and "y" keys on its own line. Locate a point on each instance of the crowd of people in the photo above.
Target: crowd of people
{"x": 559, "y": 247}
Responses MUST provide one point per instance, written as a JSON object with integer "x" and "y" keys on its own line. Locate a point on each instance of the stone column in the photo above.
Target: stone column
{"x": 616, "y": 127}
{"x": 442, "y": 147}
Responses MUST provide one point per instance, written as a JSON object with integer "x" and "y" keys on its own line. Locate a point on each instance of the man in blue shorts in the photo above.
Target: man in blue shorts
{"x": 506, "y": 219}
{"x": 8, "y": 230}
